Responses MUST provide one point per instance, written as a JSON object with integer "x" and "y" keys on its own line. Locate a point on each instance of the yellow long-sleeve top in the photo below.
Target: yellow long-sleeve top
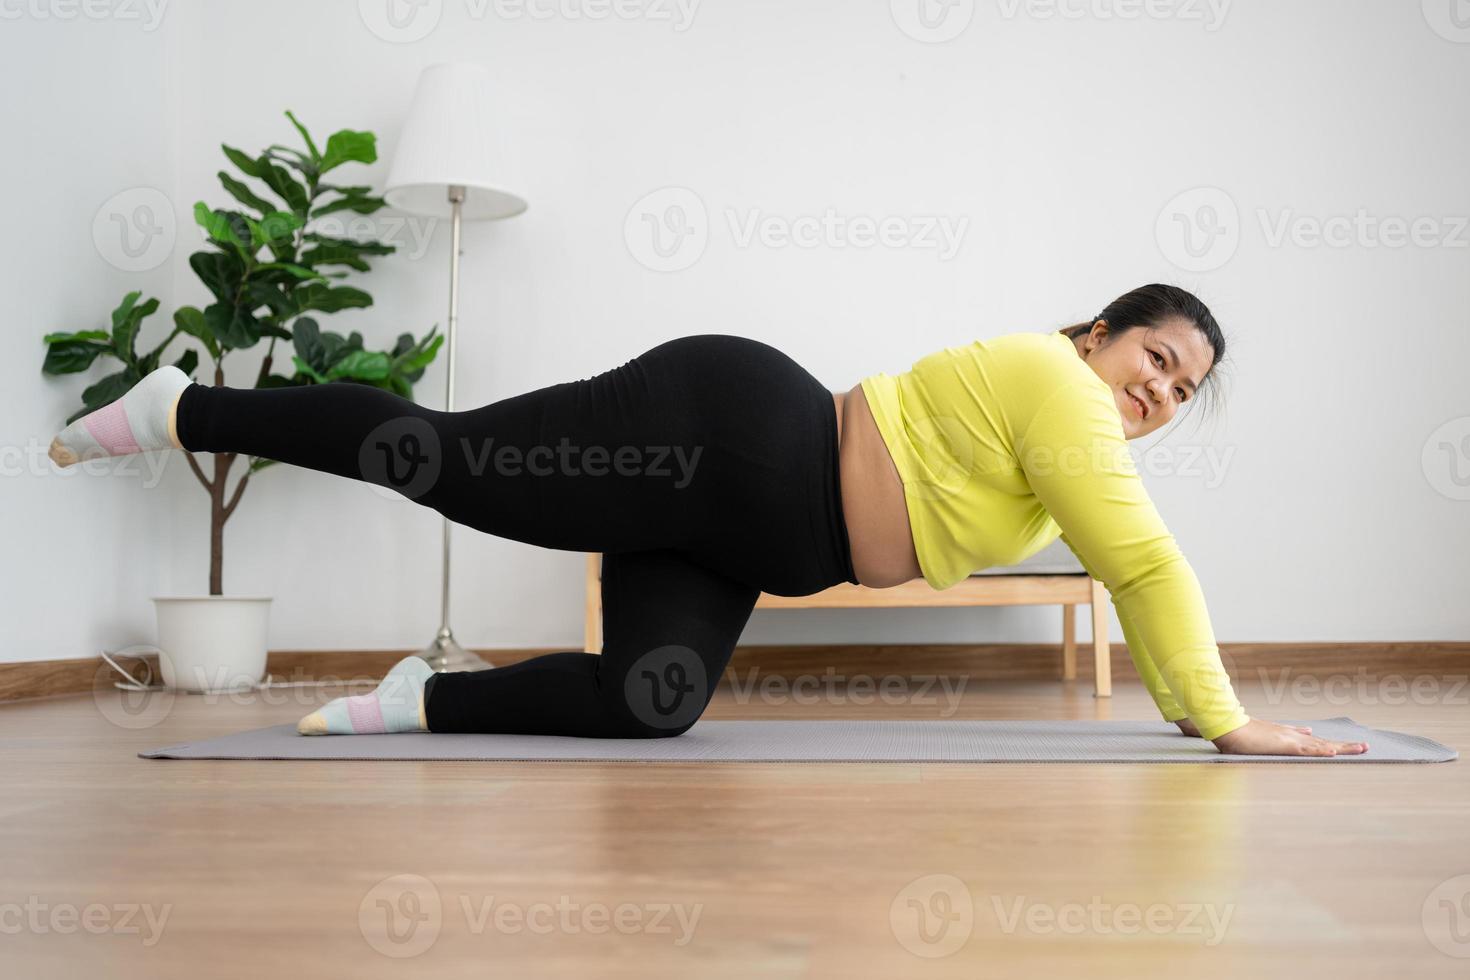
{"x": 1005, "y": 444}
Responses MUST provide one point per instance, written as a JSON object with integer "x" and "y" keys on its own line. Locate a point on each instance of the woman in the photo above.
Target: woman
{"x": 711, "y": 468}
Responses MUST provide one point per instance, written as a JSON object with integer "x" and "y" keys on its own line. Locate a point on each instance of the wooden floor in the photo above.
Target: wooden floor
{"x": 287, "y": 869}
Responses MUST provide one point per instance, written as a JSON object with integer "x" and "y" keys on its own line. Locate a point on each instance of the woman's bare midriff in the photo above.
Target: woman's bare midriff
{"x": 878, "y": 532}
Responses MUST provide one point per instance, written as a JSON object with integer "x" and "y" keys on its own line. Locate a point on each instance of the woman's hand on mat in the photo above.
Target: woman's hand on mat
{"x": 1261, "y": 737}
{"x": 1188, "y": 727}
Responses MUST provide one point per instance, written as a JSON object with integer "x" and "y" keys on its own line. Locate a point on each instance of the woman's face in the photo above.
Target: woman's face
{"x": 1158, "y": 367}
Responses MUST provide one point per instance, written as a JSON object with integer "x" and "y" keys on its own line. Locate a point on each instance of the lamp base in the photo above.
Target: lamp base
{"x": 445, "y": 655}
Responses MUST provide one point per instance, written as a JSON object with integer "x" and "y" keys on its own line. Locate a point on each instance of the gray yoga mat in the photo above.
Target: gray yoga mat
{"x": 813, "y": 741}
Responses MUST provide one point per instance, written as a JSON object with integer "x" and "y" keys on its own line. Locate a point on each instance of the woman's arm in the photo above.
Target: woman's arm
{"x": 1153, "y": 682}
{"x": 1075, "y": 457}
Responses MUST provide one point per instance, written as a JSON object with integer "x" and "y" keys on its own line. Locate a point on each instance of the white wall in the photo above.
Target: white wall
{"x": 1062, "y": 141}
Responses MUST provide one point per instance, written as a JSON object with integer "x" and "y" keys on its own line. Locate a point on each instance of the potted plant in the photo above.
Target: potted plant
{"x": 218, "y": 640}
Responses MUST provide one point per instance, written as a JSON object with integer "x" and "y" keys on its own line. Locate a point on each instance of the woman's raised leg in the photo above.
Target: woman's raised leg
{"x": 601, "y": 464}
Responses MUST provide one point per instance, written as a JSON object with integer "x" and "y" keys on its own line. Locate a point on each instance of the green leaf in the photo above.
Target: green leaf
{"x": 123, "y": 310}
{"x": 218, "y": 227}
{"x": 315, "y": 154}
{"x": 79, "y": 335}
{"x": 70, "y": 353}
{"x": 260, "y": 293}
{"x": 417, "y": 358}
{"x": 367, "y": 365}
{"x": 125, "y": 321}
{"x": 242, "y": 193}
{"x": 278, "y": 180}
{"x": 364, "y": 245}
{"x": 220, "y": 272}
{"x": 279, "y": 226}
{"x": 361, "y": 205}
{"x": 306, "y": 337}
{"x": 247, "y": 166}
{"x": 308, "y": 370}
{"x": 297, "y": 271}
{"x": 332, "y": 348}
{"x": 296, "y": 161}
{"x": 349, "y": 145}
{"x": 109, "y": 389}
{"x": 233, "y": 325}
{"x": 330, "y": 299}
{"x": 342, "y": 251}
{"x": 191, "y": 321}
{"x": 188, "y": 362}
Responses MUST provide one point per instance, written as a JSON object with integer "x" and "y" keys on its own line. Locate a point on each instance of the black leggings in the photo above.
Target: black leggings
{"x": 705, "y": 471}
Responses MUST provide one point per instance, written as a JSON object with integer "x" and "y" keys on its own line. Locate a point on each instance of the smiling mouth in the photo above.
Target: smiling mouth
{"x": 1137, "y": 405}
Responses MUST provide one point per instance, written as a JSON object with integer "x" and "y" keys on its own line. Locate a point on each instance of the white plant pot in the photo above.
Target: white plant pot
{"x": 212, "y": 643}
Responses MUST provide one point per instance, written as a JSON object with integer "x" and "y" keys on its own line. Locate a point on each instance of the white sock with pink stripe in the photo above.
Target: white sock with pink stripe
{"x": 134, "y": 423}
{"x": 396, "y": 706}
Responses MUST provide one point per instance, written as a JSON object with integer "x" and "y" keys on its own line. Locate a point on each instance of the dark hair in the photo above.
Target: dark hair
{"x": 1151, "y": 305}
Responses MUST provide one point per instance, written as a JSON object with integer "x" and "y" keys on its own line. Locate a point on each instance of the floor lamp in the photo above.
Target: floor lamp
{"x": 447, "y": 165}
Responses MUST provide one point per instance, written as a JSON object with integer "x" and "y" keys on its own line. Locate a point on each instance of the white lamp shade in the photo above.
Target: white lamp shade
{"x": 450, "y": 137}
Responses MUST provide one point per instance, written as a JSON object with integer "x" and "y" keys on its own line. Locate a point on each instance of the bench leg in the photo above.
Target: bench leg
{"x": 592, "y": 624}
{"x": 1102, "y": 656}
{"x": 1069, "y": 643}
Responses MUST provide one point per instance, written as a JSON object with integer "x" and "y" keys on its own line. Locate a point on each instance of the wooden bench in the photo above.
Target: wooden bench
{"x": 1018, "y": 585}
